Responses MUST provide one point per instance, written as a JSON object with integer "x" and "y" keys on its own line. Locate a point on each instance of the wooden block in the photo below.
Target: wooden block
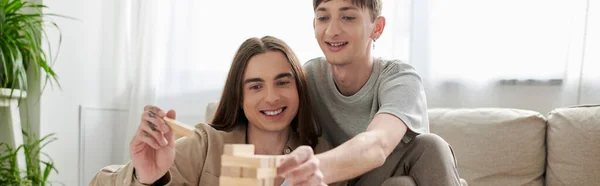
{"x": 278, "y": 158}
{"x": 269, "y": 182}
{"x": 248, "y": 161}
{"x": 231, "y": 181}
{"x": 245, "y": 172}
{"x": 238, "y": 149}
{"x": 259, "y": 173}
{"x": 235, "y": 172}
{"x": 179, "y": 128}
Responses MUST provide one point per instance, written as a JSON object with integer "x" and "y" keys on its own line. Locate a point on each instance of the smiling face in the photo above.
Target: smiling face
{"x": 267, "y": 90}
{"x": 270, "y": 97}
{"x": 344, "y": 31}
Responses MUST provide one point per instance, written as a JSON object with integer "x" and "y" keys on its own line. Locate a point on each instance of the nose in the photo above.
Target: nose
{"x": 333, "y": 29}
{"x": 273, "y": 96}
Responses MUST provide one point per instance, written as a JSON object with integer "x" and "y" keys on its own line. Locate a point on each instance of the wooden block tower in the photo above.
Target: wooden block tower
{"x": 240, "y": 166}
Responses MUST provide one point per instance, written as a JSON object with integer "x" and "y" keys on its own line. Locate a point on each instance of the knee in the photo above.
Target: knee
{"x": 432, "y": 143}
{"x": 399, "y": 181}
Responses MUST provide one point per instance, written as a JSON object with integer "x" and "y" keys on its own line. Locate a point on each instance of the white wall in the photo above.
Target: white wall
{"x": 88, "y": 75}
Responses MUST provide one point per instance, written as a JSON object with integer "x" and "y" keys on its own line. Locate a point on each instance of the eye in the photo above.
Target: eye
{"x": 348, "y": 18}
{"x": 255, "y": 87}
{"x": 323, "y": 18}
{"x": 283, "y": 83}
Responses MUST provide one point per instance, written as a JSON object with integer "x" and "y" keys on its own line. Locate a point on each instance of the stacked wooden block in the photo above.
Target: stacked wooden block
{"x": 240, "y": 166}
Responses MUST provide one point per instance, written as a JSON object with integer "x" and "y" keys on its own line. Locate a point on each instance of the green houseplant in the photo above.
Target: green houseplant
{"x": 22, "y": 36}
{"x": 35, "y": 175}
{"x": 21, "y": 46}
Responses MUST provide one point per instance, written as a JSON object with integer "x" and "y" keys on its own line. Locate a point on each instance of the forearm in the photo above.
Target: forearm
{"x": 365, "y": 152}
{"x": 357, "y": 156}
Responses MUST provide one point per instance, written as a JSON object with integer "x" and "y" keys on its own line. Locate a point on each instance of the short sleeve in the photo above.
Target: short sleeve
{"x": 401, "y": 94}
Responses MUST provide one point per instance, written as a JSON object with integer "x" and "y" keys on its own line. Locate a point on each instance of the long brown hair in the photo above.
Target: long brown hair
{"x": 229, "y": 113}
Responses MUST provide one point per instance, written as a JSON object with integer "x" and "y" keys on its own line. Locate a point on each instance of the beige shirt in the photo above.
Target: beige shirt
{"x": 197, "y": 159}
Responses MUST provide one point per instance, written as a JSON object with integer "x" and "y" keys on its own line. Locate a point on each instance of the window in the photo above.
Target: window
{"x": 510, "y": 39}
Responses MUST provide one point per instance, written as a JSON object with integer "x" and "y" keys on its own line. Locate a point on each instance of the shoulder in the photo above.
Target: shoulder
{"x": 395, "y": 67}
{"x": 314, "y": 64}
{"x": 398, "y": 77}
{"x": 397, "y": 72}
{"x": 316, "y": 71}
{"x": 205, "y": 130}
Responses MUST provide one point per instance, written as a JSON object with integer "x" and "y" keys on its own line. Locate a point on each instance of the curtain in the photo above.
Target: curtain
{"x": 531, "y": 54}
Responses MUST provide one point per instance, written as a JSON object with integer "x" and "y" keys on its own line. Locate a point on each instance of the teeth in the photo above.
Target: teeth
{"x": 272, "y": 113}
{"x": 337, "y": 44}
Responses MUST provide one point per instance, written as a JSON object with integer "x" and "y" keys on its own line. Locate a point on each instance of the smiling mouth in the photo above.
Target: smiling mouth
{"x": 273, "y": 112}
{"x": 336, "y": 44}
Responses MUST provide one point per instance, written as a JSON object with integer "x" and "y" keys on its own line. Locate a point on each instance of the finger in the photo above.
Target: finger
{"x": 155, "y": 123}
{"x": 170, "y": 136}
{"x": 171, "y": 114}
{"x": 156, "y": 110}
{"x": 294, "y": 159}
{"x": 151, "y": 129}
{"x": 136, "y": 144}
{"x": 288, "y": 162}
{"x": 147, "y": 139}
{"x": 305, "y": 171}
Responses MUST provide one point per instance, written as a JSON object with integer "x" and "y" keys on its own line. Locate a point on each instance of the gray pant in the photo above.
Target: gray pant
{"x": 425, "y": 160}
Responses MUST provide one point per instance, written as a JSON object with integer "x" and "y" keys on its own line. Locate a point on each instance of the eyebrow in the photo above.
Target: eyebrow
{"x": 253, "y": 80}
{"x": 278, "y": 76}
{"x": 346, "y": 8}
{"x": 283, "y": 75}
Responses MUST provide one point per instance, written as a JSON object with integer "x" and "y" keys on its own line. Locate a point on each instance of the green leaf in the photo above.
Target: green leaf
{"x": 14, "y": 6}
{"x": 2, "y": 18}
{"x": 36, "y": 6}
{"x": 47, "y": 170}
{"x": 61, "y": 16}
{"x": 5, "y": 65}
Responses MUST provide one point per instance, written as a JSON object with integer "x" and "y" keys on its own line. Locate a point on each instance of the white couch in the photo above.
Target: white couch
{"x": 504, "y": 146}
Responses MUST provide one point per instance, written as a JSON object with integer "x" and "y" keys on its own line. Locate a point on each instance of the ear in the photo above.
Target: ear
{"x": 314, "y": 22}
{"x": 379, "y": 26}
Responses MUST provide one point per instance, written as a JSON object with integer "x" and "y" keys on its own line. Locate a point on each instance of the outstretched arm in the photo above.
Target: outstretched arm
{"x": 370, "y": 148}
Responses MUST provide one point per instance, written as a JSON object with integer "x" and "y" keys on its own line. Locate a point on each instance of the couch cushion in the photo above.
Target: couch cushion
{"x": 494, "y": 146}
{"x": 574, "y": 146}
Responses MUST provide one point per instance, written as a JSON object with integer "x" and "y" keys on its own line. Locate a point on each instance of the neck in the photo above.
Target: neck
{"x": 267, "y": 142}
{"x": 350, "y": 78}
